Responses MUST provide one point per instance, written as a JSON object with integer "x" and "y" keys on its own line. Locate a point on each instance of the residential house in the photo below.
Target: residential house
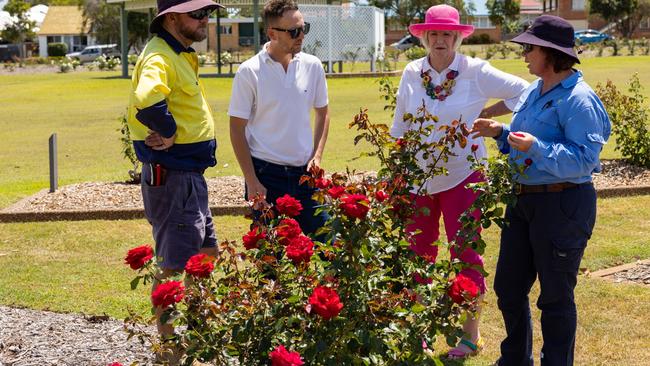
{"x": 64, "y": 24}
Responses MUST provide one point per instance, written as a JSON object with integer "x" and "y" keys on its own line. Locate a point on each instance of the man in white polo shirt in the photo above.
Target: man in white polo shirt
{"x": 272, "y": 97}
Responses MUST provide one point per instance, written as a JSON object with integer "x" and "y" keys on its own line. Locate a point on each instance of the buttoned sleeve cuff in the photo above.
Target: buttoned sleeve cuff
{"x": 502, "y": 139}
{"x": 158, "y": 118}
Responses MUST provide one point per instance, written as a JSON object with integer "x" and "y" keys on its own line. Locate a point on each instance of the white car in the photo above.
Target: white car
{"x": 407, "y": 42}
{"x": 90, "y": 53}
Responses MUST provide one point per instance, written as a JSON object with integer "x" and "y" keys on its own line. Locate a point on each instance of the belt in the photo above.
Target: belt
{"x": 545, "y": 188}
{"x": 301, "y": 168}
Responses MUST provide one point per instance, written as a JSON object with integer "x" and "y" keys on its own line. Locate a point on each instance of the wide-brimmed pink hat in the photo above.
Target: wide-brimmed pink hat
{"x": 179, "y": 6}
{"x": 441, "y": 17}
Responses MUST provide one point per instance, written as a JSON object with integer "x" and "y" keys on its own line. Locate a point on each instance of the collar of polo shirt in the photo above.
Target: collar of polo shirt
{"x": 266, "y": 57}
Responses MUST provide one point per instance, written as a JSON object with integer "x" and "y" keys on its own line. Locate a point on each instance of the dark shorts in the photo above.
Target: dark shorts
{"x": 179, "y": 214}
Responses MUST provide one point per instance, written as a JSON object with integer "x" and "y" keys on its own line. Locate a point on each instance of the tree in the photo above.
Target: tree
{"x": 407, "y": 11}
{"x": 504, "y": 13}
{"x": 21, "y": 29}
{"x": 104, "y": 21}
{"x": 624, "y": 14}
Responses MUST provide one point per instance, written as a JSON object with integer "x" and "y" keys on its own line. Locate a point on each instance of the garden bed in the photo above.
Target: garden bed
{"x": 638, "y": 272}
{"x": 43, "y": 338}
{"x": 110, "y": 200}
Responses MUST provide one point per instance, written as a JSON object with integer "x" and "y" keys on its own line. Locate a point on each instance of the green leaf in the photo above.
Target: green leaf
{"x": 418, "y": 308}
{"x": 134, "y": 282}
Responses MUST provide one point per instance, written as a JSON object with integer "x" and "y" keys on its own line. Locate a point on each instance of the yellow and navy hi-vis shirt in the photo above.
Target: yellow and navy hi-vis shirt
{"x": 167, "y": 97}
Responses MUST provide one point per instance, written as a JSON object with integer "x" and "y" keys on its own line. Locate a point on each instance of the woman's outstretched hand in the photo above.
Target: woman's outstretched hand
{"x": 483, "y": 127}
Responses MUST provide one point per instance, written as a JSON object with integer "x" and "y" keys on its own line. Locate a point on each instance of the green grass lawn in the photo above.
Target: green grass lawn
{"x": 83, "y": 109}
{"x": 78, "y": 267}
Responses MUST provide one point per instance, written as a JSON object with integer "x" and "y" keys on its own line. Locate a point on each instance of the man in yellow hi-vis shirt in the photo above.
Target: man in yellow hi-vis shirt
{"x": 173, "y": 134}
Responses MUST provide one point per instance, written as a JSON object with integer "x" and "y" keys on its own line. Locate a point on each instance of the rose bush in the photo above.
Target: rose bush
{"x": 361, "y": 297}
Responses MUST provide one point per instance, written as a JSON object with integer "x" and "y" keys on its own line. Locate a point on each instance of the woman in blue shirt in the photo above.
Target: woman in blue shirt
{"x": 557, "y": 132}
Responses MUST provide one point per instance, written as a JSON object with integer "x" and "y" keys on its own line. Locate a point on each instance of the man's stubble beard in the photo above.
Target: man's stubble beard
{"x": 196, "y": 35}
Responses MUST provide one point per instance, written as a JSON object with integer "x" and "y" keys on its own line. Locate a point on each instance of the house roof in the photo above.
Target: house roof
{"x": 63, "y": 20}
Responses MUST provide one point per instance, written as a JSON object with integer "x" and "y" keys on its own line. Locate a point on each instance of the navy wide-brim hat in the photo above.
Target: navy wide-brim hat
{"x": 179, "y": 6}
{"x": 552, "y": 32}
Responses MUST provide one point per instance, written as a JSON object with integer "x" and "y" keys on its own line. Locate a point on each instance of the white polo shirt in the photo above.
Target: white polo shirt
{"x": 277, "y": 105}
{"x": 476, "y": 83}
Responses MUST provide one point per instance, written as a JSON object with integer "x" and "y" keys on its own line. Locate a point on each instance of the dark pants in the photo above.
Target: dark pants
{"x": 546, "y": 238}
{"x": 280, "y": 180}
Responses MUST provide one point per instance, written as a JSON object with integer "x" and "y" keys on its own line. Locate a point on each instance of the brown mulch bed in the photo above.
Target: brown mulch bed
{"x": 639, "y": 274}
{"x": 43, "y": 338}
{"x": 229, "y": 191}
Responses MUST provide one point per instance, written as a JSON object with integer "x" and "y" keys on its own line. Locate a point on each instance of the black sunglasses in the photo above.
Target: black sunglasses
{"x": 526, "y": 47}
{"x": 200, "y": 14}
{"x": 295, "y": 32}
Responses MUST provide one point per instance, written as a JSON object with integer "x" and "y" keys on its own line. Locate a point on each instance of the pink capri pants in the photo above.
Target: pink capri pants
{"x": 450, "y": 204}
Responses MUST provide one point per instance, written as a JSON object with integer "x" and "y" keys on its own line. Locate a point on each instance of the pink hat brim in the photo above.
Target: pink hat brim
{"x": 464, "y": 29}
{"x": 185, "y": 7}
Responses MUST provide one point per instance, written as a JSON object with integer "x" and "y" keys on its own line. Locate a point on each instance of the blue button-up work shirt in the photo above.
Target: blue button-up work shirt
{"x": 570, "y": 126}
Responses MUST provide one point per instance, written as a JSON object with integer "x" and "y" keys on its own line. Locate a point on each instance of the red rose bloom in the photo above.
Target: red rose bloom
{"x": 168, "y": 293}
{"x": 474, "y": 147}
{"x": 300, "y": 249}
{"x": 451, "y": 75}
{"x": 336, "y": 192}
{"x": 463, "y": 289}
{"x": 323, "y": 183}
{"x": 355, "y": 205}
{"x": 200, "y": 265}
{"x": 400, "y": 142}
{"x": 287, "y": 229}
{"x": 437, "y": 89}
{"x": 381, "y": 196}
{"x": 115, "y": 364}
{"x": 282, "y": 357}
{"x": 252, "y": 237}
{"x": 325, "y": 302}
{"x": 138, "y": 256}
{"x": 528, "y": 162}
{"x": 287, "y": 205}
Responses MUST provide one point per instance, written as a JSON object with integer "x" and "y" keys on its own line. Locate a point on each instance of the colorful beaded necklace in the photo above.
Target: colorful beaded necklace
{"x": 442, "y": 91}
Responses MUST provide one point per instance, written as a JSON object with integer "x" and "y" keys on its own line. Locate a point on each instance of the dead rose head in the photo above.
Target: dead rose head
{"x": 463, "y": 289}
{"x": 287, "y": 229}
{"x": 355, "y": 205}
{"x": 280, "y": 356}
{"x": 168, "y": 293}
{"x": 300, "y": 249}
{"x": 138, "y": 256}
{"x": 325, "y": 302}
{"x": 200, "y": 265}
{"x": 253, "y": 237}
{"x": 289, "y": 206}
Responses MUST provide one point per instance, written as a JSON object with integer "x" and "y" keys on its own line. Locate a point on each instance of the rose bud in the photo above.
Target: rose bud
{"x": 474, "y": 147}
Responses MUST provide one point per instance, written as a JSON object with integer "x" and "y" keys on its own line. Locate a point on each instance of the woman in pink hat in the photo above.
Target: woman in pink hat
{"x": 452, "y": 86}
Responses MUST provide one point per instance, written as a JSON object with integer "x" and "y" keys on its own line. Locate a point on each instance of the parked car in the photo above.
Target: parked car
{"x": 407, "y": 42}
{"x": 591, "y": 36}
{"x": 9, "y": 52}
{"x": 90, "y": 53}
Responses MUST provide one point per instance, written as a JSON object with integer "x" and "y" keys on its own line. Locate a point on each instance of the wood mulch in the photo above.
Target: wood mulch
{"x": 43, "y": 338}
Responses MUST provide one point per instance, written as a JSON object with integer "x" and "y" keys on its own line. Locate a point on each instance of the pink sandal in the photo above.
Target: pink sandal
{"x": 458, "y": 354}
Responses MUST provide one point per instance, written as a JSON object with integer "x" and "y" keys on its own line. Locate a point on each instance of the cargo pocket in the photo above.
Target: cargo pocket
{"x": 567, "y": 254}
